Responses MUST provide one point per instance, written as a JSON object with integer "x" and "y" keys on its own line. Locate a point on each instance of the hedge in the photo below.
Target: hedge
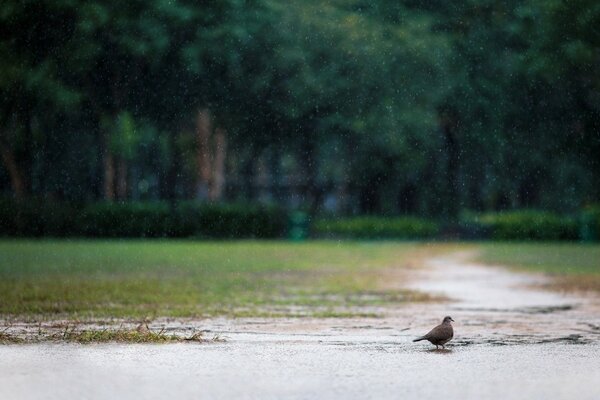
{"x": 371, "y": 227}
{"x": 34, "y": 218}
{"x": 39, "y": 217}
{"x": 589, "y": 223}
{"x": 521, "y": 225}
{"x": 229, "y": 221}
{"x": 125, "y": 220}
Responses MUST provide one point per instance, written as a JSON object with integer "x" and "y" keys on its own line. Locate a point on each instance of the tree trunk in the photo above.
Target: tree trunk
{"x": 273, "y": 160}
{"x": 218, "y": 182}
{"x": 17, "y": 178}
{"x": 168, "y": 176}
{"x": 312, "y": 193}
{"x": 248, "y": 176}
{"x": 448, "y": 126}
{"x": 122, "y": 179}
{"x": 109, "y": 173}
{"x": 203, "y": 157}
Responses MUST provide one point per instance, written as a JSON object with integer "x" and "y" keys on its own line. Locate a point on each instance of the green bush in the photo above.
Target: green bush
{"x": 36, "y": 217}
{"x": 183, "y": 220}
{"x": 229, "y": 221}
{"x": 125, "y": 220}
{"x": 9, "y": 222}
{"x": 523, "y": 225}
{"x": 376, "y": 228}
{"x": 589, "y": 223}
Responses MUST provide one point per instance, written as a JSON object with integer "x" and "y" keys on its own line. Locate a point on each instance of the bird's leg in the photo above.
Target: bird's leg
{"x": 436, "y": 347}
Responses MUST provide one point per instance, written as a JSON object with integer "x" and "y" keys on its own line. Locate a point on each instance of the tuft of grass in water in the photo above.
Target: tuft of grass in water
{"x": 575, "y": 266}
{"x": 131, "y": 279}
{"x": 86, "y": 336}
{"x": 120, "y": 336}
{"x": 7, "y": 338}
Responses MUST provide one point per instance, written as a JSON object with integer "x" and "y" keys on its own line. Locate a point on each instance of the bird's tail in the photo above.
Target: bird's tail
{"x": 419, "y": 339}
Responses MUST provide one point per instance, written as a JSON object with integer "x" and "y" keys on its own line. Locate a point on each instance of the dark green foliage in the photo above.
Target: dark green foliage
{"x": 406, "y": 107}
{"x": 523, "y": 225}
{"x": 377, "y": 228}
{"x": 188, "y": 219}
{"x": 36, "y": 217}
{"x": 229, "y": 221}
{"x": 141, "y": 219}
{"x": 46, "y": 218}
{"x": 589, "y": 223}
{"x": 125, "y": 220}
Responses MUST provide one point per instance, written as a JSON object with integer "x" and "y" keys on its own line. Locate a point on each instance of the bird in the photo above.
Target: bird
{"x": 441, "y": 334}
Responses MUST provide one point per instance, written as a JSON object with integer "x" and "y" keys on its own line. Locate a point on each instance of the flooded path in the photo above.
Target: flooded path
{"x": 497, "y": 305}
{"x": 511, "y": 341}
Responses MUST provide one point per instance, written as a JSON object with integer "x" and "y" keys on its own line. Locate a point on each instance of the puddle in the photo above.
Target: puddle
{"x": 526, "y": 310}
{"x": 299, "y": 370}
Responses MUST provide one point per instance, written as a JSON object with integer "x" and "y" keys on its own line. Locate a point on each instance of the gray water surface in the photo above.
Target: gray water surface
{"x": 299, "y": 370}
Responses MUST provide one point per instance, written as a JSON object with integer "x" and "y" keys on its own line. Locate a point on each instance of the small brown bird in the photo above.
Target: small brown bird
{"x": 441, "y": 334}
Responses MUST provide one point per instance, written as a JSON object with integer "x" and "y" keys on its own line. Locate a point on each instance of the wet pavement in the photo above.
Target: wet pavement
{"x": 512, "y": 340}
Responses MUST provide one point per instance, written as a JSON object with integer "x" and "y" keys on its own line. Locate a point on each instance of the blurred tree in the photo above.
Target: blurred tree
{"x": 408, "y": 106}
{"x": 32, "y": 85}
{"x": 562, "y": 63}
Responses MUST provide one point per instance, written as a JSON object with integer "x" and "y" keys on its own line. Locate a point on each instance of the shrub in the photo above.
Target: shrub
{"x": 589, "y": 223}
{"x": 125, "y": 219}
{"x": 376, "y": 227}
{"x": 523, "y": 224}
{"x": 36, "y": 217}
{"x": 229, "y": 221}
{"x": 9, "y": 223}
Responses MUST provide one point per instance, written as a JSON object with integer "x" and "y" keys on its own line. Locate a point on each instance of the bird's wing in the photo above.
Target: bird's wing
{"x": 434, "y": 332}
{"x": 440, "y": 332}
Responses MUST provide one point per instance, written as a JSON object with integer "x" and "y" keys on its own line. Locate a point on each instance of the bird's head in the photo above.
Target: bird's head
{"x": 447, "y": 320}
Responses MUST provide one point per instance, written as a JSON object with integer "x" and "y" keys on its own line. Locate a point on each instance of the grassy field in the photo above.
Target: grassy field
{"x": 136, "y": 278}
{"x": 575, "y": 266}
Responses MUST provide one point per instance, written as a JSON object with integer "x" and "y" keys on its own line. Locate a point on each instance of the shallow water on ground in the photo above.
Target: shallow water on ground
{"x": 299, "y": 369}
{"x": 512, "y": 340}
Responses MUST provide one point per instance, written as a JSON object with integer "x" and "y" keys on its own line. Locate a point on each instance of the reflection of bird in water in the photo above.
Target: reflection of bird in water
{"x": 441, "y": 334}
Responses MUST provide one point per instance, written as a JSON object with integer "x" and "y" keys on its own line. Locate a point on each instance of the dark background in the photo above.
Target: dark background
{"x": 425, "y": 108}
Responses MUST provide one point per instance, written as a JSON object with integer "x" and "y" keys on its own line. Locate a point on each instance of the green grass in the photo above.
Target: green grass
{"x": 100, "y": 336}
{"x": 134, "y": 279}
{"x": 576, "y": 266}
{"x": 85, "y": 336}
{"x": 152, "y": 278}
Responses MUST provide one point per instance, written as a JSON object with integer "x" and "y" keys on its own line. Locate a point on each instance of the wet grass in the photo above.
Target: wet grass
{"x": 153, "y": 278}
{"x": 7, "y": 338}
{"x": 126, "y": 336}
{"x": 575, "y": 266}
{"x": 84, "y": 336}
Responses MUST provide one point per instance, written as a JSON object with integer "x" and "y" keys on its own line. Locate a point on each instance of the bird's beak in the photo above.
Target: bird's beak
{"x": 451, "y": 320}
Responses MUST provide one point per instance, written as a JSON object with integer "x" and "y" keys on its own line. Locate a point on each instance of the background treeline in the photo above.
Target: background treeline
{"x": 38, "y": 217}
{"x": 408, "y": 107}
